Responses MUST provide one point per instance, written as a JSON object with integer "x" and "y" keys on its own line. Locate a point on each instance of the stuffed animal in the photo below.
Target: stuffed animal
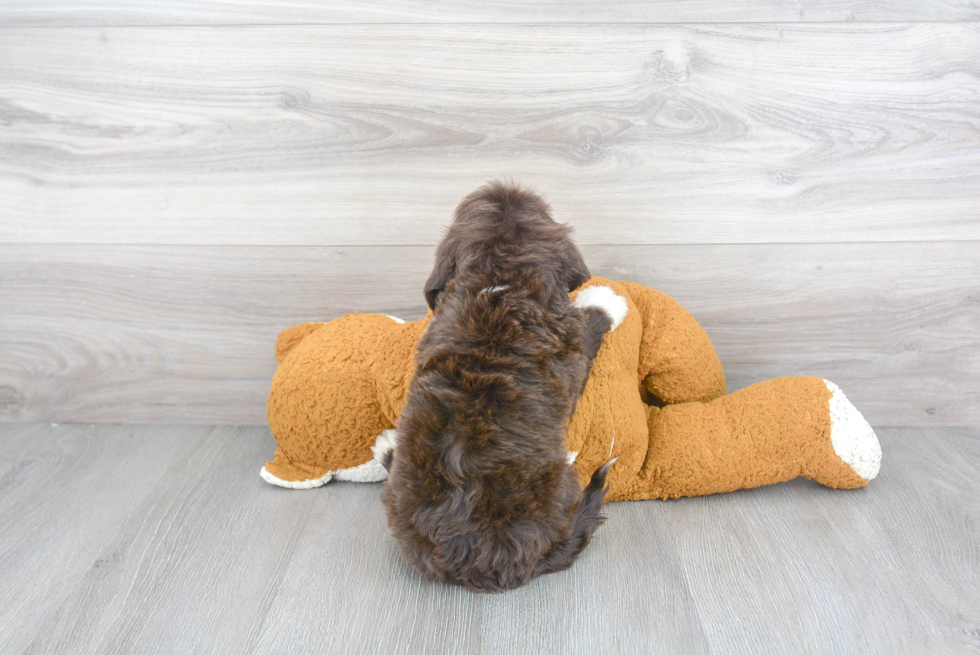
{"x": 655, "y": 399}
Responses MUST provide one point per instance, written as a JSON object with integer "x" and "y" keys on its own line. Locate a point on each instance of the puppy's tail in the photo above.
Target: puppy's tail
{"x": 586, "y": 522}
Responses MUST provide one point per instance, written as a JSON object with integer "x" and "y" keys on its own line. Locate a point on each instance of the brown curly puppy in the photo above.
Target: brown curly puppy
{"x": 480, "y": 491}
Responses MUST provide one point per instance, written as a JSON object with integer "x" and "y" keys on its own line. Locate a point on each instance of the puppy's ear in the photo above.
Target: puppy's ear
{"x": 574, "y": 272}
{"x": 442, "y": 273}
{"x": 588, "y": 519}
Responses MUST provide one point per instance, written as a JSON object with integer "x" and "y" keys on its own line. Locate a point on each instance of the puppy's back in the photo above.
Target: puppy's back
{"x": 479, "y": 491}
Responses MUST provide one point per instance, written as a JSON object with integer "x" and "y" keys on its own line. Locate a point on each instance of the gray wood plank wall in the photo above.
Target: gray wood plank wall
{"x": 225, "y": 12}
{"x": 178, "y": 183}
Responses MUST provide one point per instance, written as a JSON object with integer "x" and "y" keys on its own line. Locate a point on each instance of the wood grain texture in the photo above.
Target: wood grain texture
{"x": 630, "y": 595}
{"x": 59, "y": 505}
{"x": 753, "y": 546}
{"x": 894, "y": 325}
{"x": 18, "y": 442}
{"x": 170, "y": 333}
{"x": 204, "y": 557}
{"x": 347, "y": 590}
{"x": 932, "y": 482}
{"x": 225, "y": 12}
{"x": 878, "y": 556}
{"x": 370, "y": 134}
{"x": 350, "y": 591}
{"x": 195, "y": 566}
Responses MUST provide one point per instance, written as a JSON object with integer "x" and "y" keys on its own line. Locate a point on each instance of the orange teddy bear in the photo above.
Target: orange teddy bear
{"x": 655, "y": 399}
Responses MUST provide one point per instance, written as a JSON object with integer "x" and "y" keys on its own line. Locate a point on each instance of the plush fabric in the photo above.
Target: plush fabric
{"x": 655, "y": 399}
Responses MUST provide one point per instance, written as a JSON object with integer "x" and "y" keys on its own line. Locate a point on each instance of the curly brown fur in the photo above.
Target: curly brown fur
{"x": 480, "y": 492}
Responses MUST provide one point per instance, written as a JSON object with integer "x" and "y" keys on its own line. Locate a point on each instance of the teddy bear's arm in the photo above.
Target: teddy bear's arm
{"x": 678, "y": 362}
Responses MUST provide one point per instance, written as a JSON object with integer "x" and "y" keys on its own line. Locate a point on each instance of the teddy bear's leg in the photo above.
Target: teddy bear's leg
{"x": 372, "y": 470}
{"x": 282, "y": 472}
{"x": 325, "y": 419}
{"x": 769, "y": 432}
{"x": 336, "y": 392}
{"x": 678, "y": 362}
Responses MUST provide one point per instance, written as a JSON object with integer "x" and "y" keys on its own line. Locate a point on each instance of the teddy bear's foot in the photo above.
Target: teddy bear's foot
{"x": 372, "y": 470}
{"x": 307, "y": 483}
{"x": 282, "y": 473}
{"x": 604, "y": 298}
{"x": 853, "y": 438}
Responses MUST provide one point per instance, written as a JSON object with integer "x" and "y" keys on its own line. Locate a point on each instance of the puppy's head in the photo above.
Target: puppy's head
{"x": 503, "y": 224}
{"x": 475, "y": 540}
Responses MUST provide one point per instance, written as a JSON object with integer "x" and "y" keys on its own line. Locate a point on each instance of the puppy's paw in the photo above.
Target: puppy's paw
{"x": 384, "y": 448}
{"x": 604, "y": 298}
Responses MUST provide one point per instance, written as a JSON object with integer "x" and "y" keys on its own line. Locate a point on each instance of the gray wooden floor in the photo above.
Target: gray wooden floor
{"x": 148, "y": 539}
